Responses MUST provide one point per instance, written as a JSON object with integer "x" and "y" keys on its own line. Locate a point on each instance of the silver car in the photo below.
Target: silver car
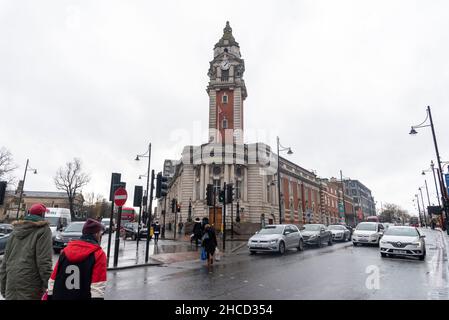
{"x": 276, "y": 238}
{"x": 339, "y": 232}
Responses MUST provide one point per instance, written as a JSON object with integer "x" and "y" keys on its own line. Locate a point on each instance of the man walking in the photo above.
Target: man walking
{"x": 27, "y": 262}
{"x": 156, "y": 231}
{"x": 80, "y": 273}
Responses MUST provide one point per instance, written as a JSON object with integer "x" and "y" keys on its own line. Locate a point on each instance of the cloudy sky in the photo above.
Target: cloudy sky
{"x": 341, "y": 82}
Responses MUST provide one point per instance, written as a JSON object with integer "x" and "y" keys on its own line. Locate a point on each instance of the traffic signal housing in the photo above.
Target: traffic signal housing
{"x": 210, "y": 195}
{"x": 161, "y": 185}
{"x": 2, "y": 192}
{"x": 221, "y": 197}
{"x": 173, "y": 205}
{"x": 230, "y": 193}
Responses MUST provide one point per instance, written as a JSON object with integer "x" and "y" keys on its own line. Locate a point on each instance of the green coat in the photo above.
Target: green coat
{"x": 27, "y": 264}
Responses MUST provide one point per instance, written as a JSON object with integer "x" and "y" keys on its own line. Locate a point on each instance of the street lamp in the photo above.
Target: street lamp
{"x": 23, "y": 185}
{"x": 289, "y": 152}
{"x": 444, "y": 194}
{"x": 146, "y": 155}
{"x": 423, "y": 207}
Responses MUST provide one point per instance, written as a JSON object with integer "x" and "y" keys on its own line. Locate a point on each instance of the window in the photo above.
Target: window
{"x": 224, "y": 98}
{"x": 224, "y": 124}
{"x": 224, "y": 75}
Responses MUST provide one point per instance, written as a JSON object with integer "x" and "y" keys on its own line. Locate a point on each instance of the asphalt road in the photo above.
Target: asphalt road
{"x": 340, "y": 271}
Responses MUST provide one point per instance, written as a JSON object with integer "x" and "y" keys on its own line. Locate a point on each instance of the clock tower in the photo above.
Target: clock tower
{"x": 226, "y": 91}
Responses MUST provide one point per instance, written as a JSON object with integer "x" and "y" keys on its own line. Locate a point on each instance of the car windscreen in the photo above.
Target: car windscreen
{"x": 272, "y": 230}
{"x": 75, "y": 227}
{"x": 336, "y": 228}
{"x": 312, "y": 227}
{"x": 406, "y": 232}
{"x": 53, "y": 221}
{"x": 366, "y": 227}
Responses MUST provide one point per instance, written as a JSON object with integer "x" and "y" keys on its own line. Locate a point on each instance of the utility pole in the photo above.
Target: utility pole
{"x": 149, "y": 211}
{"x": 423, "y": 207}
{"x": 343, "y": 194}
{"x": 224, "y": 215}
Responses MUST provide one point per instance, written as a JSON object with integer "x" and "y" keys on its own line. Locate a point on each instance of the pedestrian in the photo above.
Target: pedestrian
{"x": 197, "y": 231}
{"x": 80, "y": 273}
{"x": 209, "y": 242}
{"x": 156, "y": 231}
{"x": 27, "y": 261}
{"x": 180, "y": 225}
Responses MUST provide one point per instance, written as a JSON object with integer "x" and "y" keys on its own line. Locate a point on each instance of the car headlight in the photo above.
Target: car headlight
{"x": 313, "y": 236}
{"x": 417, "y": 244}
{"x": 382, "y": 242}
{"x": 58, "y": 237}
{"x": 273, "y": 241}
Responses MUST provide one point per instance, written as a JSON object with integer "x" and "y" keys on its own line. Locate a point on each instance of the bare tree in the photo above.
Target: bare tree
{"x": 71, "y": 179}
{"x": 6, "y": 165}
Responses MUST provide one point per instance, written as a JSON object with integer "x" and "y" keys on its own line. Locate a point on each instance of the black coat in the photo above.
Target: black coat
{"x": 197, "y": 230}
{"x": 210, "y": 240}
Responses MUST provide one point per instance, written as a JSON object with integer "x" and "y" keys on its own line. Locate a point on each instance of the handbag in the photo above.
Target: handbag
{"x": 217, "y": 254}
{"x": 203, "y": 254}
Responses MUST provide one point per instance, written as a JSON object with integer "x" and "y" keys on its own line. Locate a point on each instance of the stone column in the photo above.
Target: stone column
{"x": 202, "y": 182}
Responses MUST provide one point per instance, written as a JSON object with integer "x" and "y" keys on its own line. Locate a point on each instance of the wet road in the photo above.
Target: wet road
{"x": 340, "y": 271}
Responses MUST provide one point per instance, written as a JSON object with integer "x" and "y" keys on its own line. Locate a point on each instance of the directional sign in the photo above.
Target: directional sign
{"x": 447, "y": 181}
{"x": 120, "y": 197}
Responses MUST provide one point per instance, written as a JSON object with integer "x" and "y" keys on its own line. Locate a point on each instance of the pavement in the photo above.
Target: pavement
{"x": 340, "y": 272}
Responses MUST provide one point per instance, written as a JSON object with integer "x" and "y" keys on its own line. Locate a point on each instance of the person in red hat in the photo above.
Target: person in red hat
{"x": 80, "y": 273}
{"x": 27, "y": 263}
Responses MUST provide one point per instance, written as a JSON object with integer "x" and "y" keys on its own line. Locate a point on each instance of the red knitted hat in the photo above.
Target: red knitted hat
{"x": 92, "y": 226}
{"x": 38, "y": 209}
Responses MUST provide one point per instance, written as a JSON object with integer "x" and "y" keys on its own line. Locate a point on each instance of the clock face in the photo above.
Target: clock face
{"x": 225, "y": 65}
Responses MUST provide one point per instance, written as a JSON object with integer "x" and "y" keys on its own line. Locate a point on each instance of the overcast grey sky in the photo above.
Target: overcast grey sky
{"x": 341, "y": 82}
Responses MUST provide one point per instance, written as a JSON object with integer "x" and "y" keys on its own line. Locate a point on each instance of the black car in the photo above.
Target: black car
{"x": 74, "y": 231}
{"x": 131, "y": 231}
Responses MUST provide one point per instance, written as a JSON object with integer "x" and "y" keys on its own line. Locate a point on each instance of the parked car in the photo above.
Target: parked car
{"x": 74, "y": 231}
{"x": 3, "y": 241}
{"x": 367, "y": 233}
{"x": 59, "y": 218}
{"x": 276, "y": 238}
{"x": 106, "y": 223}
{"x": 131, "y": 231}
{"x": 316, "y": 234}
{"x": 339, "y": 232}
{"x": 403, "y": 241}
{"x": 5, "y": 229}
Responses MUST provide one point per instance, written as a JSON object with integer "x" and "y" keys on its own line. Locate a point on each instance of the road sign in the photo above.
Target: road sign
{"x": 447, "y": 181}
{"x": 120, "y": 197}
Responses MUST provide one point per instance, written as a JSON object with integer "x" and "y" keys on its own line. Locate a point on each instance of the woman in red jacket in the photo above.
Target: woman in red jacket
{"x": 80, "y": 273}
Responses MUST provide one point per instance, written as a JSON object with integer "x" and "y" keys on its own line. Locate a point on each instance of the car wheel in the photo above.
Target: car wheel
{"x": 301, "y": 245}
{"x": 383, "y": 255}
{"x": 423, "y": 256}
{"x": 320, "y": 244}
{"x": 282, "y": 247}
{"x": 252, "y": 252}
{"x": 355, "y": 244}
{"x": 329, "y": 243}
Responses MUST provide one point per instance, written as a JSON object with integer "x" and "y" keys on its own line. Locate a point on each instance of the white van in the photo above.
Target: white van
{"x": 59, "y": 218}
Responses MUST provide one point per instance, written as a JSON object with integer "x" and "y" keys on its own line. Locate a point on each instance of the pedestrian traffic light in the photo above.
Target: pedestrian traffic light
{"x": 161, "y": 185}
{"x": 2, "y": 191}
{"x": 221, "y": 196}
{"x": 173, "y": 205}
{"x": 210, "y": 194}
{"x": 229, "y": 193}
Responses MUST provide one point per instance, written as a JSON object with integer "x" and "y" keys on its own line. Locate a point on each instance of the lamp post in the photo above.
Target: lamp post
{"x": 444, "y": 194}
{"x": 148, "y": 175}
{"x": 423, "y": 208}
{"x": 419, "y": 209}
{"x": 434, "y": 179}
{"x": 23, "y": 185}
{"x": 280, "y": 148}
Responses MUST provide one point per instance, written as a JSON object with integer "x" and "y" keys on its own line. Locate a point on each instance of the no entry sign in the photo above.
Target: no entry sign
{"x": 120, "y": 197}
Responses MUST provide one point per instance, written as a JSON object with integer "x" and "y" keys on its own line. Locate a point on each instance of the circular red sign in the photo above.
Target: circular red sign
{"x": 120, "y": 197}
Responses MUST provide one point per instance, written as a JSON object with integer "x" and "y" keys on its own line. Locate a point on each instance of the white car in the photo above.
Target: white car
{"x": 339, "y": 232}
{"x": 403, "y": 241}
{"x": 367, "y": 233}
{"x": 276, "y": 238}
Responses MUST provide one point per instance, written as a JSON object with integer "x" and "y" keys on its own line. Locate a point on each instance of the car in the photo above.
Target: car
{"x": 316, "y": 234}
{"x": 74, "y": 231}
{"x": 339, "y": 232}
{"x": 3, "y": 241}
{"x": 276, "y": 238}
{"x": 131, "y": 231}
{"x": 403, "y": 241}
{"x": 367, "y": 233}
{"x": 5, "y": 229}
{"x": 59, "y": 218}
{"x": 106, "y": 223}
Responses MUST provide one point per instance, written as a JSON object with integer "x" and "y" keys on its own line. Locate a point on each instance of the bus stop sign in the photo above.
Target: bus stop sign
{"x": 120, "y": 197}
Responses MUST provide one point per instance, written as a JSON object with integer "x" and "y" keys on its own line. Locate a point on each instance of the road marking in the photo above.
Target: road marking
{"x": 245, "y": 281}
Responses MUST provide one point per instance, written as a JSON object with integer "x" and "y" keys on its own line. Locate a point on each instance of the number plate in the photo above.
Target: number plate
{"x": 400, "y": 251}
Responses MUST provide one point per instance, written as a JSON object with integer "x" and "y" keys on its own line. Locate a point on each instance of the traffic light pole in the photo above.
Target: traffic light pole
{"x": 117, "y": 236}
{"x": 215, "y": 202}
{"x": 225, "y": 202}
{"x": 149, "y": 211}
{"x": 232, "y": 220}
{"x": 165, "y": 213}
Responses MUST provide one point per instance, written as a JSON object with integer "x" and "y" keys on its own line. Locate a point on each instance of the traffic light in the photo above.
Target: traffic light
{"x": 138, "y": 192}
{"x": 173, "y": 205}
{"x": 161, "y": 185}
{"x": 230, "y": 193}
{"x": 2, "y": 192}
{"x": 178, "y": 208}
{"x": 221, "y": 196}
{"x": 210, "y": 195}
